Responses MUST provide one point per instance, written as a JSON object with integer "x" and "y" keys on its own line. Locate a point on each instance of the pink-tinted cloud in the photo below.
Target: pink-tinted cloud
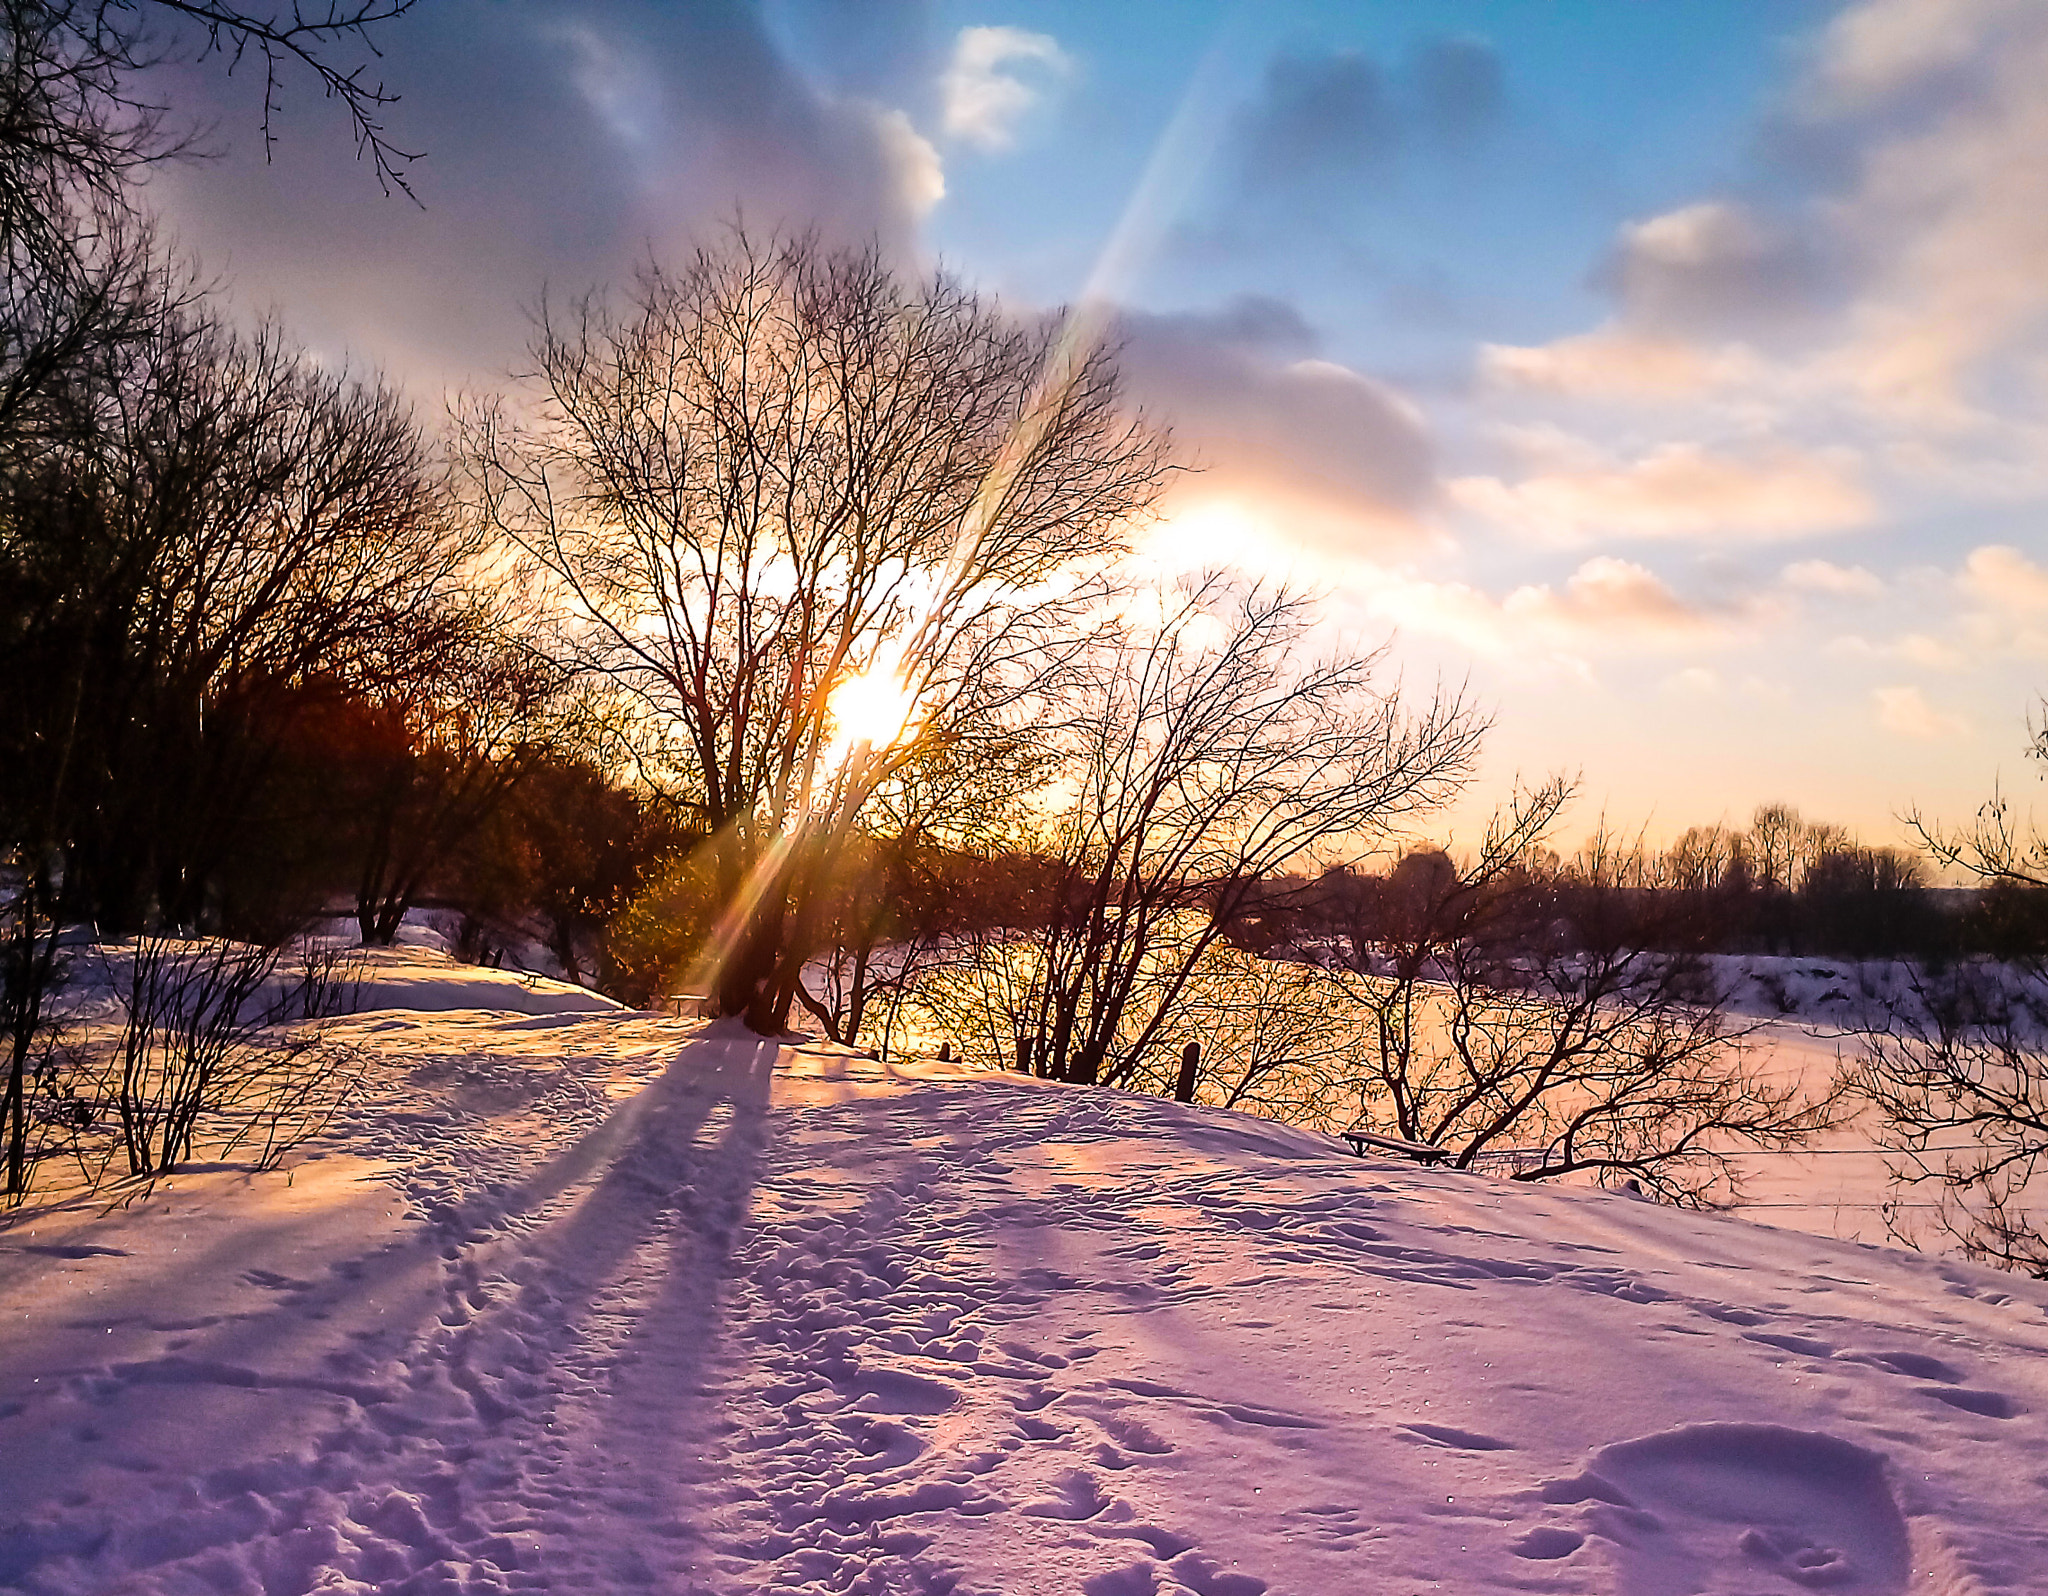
{"x": 1678, "y": 490}
{"x": 1342, "y": 461}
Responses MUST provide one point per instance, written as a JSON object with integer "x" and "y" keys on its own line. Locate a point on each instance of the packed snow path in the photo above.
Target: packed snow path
{"x": 618, "y": 1305}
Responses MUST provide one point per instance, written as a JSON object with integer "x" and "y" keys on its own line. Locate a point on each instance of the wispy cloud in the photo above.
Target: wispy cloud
{"x": 1893, "y": 271}
{"x": 1606, "y": 605}
{"x": 1679, "y": 490}
{"x": 1835, "y": 581}
{"x": 985, "y": 94}
{"x": 1342, "y": 459}
{"x": 1905, "y": 712}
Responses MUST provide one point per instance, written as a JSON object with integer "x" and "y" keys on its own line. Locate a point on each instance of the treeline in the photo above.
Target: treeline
{"x": 1783, "y": 886}
{"x": 253, "y": 670}
{"x": 257, "y": 663}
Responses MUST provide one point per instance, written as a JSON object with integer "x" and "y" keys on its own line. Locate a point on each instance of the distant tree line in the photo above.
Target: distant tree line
{"x": 1782, "y": 886}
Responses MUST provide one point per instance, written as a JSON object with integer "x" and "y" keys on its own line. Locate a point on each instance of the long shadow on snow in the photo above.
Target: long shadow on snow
{"x": 395, "y": 1300}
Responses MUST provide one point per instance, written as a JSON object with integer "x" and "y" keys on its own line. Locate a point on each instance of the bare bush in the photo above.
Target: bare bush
{"x": 1211, "y": 754}
{"x": 1271, "y": 1037}
{"x": 1522, "y": 1022}
{"x": 1959, "y": 1071}
{"x": 1964, "y": 1054}
{"x": 216, "y": 1051}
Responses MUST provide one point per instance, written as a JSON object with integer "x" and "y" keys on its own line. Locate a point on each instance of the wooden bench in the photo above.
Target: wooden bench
{"x": 1419, "y": 1152}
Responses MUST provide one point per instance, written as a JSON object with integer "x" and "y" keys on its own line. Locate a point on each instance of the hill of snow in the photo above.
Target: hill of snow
{"x": 596, "y": 1301}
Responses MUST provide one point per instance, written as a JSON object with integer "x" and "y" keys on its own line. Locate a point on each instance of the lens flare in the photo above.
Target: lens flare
{"x": 878, "y": 709}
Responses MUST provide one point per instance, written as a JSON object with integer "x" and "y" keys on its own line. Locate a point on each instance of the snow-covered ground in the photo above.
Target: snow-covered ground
{"x": 594, "y": 1301}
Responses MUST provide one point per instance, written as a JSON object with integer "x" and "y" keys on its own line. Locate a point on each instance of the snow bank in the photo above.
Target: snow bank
{"x": 425, "y": 978}
{"x": 406, "y": 977}
{"x": 602, "y": 1302}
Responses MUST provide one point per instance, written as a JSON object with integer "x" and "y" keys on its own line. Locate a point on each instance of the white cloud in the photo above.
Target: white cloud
{"x": 1618, "y": 362}
{"x": 1878, "y": 48}
{"x": 1906, "y": 712}
{"x": 1341, "y": 462}
{"x": 1906, "y": 290}
{"x": 984, "y": 100}
{"x": 1917, "y": 648}
{"x": 1695, "y": 681}
{"x": 919, "y": 176}
{"x": 2003, "y": 578}
{"x": 1679, "y": 490}
{"x": 1835, "y": 581}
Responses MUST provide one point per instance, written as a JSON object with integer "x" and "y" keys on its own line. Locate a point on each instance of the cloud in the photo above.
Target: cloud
{"x": 1460, "y": 88}
{"x": 1905, "y": 712}
{"x": 1317, "y": 116}
{"x": 1608, "y": 595}
{"x": 1885, "y": 50}
{"x": 919, "y": 178}
{"x": 1834, "y": 581}
{"x": 2002, "y": 578}
{"x": 1717, "y": 266}
{"x": 885, "y": 50}
{"x": 1914, "y": 648}
{"x": 1265, "y": 419}
{"x": 1616, "y": 362}
{"x": 1888, "y": 263}
{"x": 1334, "y": 117}
{"x": 562, "y": 146}
{"x": 1604, "y": 605}
{"x": 985, "y": 98}
{"x": 1679, "y": 490}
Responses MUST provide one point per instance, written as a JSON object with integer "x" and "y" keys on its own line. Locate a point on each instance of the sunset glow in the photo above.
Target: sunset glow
{"x": 1666, "y": 373}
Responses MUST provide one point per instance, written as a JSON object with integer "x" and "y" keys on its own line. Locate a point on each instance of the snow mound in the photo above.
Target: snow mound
{"x": 606, "y": 1302}
{"x": 424, "y": 978}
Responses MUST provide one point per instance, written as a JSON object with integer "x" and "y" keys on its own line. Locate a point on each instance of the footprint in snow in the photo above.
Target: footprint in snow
{"x": 1710, "y": 1506}
{"x": 81, "y": 1250}
{"x": 1914, "y": 1365}
{"x": 1987, "y": 1404}
{"x": 1079, "y": 1498}
{"x": 898, "y": 1391}
{"x": 1458, "y": 1440}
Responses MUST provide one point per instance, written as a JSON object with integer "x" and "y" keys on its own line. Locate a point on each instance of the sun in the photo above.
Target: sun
{"x": 877, "y": 707}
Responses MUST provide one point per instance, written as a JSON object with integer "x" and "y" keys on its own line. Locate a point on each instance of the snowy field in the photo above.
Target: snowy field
{"x": 589, "y": 1301}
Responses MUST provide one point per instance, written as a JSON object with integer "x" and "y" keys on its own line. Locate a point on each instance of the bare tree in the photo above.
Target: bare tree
{"x": 77, "y": 117}
{"x": 1215, "y": 753}
{"x": 231, "y": 524}
{"x": 1529, "y": 1018}
{"x": 460, "y": 736}
{"x": 920, "y": 868}
{"x": 83, "y": 296}
{"x": 781, "y": 469}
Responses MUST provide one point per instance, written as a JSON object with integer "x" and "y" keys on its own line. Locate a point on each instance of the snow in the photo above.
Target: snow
{"x": 423, "y": 977}
{"x": 411, "y": 976}
{"x": 593, "y": 1301}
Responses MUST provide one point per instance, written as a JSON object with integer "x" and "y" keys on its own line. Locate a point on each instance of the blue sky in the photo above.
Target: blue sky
{"x": 1675, "y": 373}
